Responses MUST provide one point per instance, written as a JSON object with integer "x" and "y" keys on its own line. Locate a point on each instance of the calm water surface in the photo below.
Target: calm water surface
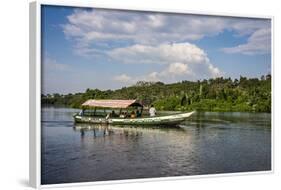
{"x": 207, "y": 143}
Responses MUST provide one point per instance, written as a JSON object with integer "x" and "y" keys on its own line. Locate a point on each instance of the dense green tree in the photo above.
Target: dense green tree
{"x": 218, "y": 94}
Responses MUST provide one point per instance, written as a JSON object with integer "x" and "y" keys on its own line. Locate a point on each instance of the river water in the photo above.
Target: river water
{"x": 207, "y": 143}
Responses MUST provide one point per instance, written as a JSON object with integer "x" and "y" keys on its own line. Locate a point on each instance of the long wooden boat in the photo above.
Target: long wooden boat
{"x": 158, "y": 120}
{"x": 173, "y": 119}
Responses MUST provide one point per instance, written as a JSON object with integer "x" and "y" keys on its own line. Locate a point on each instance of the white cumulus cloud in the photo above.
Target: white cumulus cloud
{"x": 258, "y": 43}
{"x": 160, "y": 54}
{"x": 99, "y": 25}
{"x": 184, "y": 61}
{"x": 93, "y": 29}
{"x": 178, "y": 69}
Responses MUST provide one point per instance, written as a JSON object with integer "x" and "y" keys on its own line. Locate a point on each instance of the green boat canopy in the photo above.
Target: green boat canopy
{"x": 112, "y": 103}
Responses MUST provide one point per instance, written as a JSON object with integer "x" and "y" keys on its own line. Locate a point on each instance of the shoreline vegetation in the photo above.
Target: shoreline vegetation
{"x": 219, "y": 94}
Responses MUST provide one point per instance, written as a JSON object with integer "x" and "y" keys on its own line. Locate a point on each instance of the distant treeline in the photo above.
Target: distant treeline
{"x": 219, "y": 94}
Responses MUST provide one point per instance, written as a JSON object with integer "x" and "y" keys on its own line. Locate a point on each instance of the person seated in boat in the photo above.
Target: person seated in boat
{"x": 127, "y": 114}
{"x": 138, "y": 113}
{"x": 133, "y": 115}
{"x": 152, "y": 111}
{"x": 113, "y": 114}
{"x": 122, "y": 115}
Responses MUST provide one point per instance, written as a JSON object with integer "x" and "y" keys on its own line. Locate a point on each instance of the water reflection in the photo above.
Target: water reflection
{"x": 102, "y": 130}
{"x": 96, "y": 130}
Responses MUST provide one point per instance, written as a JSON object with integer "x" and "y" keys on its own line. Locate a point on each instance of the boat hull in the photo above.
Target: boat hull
{"x": 159, "y": 120}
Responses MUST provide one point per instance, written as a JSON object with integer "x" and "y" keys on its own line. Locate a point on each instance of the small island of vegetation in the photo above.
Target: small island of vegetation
{"x": 219, "y": 94}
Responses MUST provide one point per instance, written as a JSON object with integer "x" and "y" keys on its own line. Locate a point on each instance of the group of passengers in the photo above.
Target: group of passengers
{"x": 126, "y": 114}
{"x": 134, "y": 114}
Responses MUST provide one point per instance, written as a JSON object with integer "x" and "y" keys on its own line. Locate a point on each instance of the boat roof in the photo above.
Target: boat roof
{"x": 111, "y": 103}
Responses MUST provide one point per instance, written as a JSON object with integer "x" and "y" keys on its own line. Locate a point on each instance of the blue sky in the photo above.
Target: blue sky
{"x": 109, "y": 49}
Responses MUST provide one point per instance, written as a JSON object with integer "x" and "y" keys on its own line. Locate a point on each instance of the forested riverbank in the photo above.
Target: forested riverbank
{"x": 219, "y": 94}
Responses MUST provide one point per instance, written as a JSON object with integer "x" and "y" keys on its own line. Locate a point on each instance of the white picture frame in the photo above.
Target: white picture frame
{"x": 35, "y": 91}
